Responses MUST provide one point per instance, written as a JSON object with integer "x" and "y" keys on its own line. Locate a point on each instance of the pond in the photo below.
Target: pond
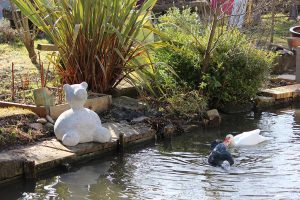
{"x": 177, "y": 168}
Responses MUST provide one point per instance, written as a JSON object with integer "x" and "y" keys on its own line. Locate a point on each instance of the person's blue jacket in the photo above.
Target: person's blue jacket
{"x": 219, "y": 154}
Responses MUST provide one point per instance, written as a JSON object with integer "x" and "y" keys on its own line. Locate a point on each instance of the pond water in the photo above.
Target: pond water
{"x": 177, "y": 168}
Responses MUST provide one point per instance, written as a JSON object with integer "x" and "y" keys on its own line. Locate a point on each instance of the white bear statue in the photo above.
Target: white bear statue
{"x": 79, "y": 124}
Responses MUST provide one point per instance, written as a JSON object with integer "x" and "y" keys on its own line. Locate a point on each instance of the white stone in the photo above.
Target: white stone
{"x": 49, "y": 118}
{"x": 212, "y": 114}
{"x": 41, "y": 120}
{"x": 36, "y": 126}
{"x": 79, "y": 124}
{"x": 139, "y": 119}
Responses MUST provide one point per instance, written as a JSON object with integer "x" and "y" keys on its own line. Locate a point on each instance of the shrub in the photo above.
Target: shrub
{"x": 181, "y": 53}
{"x": 187, "y": 102}
{"x": 99, "y": 41}
{"x": 236, "y": 70}
{"x": 7, "y": 34}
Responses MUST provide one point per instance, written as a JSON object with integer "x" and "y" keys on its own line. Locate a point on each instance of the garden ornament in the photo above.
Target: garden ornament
{"x": 79, "y": 124}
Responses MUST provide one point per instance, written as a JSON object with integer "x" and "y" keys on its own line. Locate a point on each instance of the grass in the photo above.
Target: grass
{"x": 282, "y": 26}
{"x": 17, "y": 53}
{"x": 24, "y": 70}
{"x": 262, "y": 32}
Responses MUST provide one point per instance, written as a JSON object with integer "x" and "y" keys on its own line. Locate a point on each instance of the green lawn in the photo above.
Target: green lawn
{"x": 262, "y": 32}
{"x": 24, "y": 69}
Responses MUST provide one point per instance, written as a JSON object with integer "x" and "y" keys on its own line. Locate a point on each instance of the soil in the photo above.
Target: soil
{"x": 15, "y": 130}
{"x": 279, "y": 82}
{"x": 156, "y": 119}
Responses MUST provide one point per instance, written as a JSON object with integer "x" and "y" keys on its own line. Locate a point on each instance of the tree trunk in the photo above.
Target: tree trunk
{"x": 210, "y": 41}
{"x": 31, "y": 52}
{"x": 256, "y": 14}
{"x": 27, "y": 35}
{"x": 249, "y": 19}
{"x": 28, "y": 40}
{"x": 293, "y": 10}
{"x": 272, "y": 22}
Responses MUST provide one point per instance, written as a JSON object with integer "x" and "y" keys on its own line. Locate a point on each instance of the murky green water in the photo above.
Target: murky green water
{"x": 177, "y": 168}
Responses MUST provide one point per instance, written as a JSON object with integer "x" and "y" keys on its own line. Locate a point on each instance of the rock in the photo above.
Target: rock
{"x": 139, "y": 119}
{"x": 212, "y": 114}
{"x": 49, "y": 118}
{"x": 169, "y": 130}
{"x": 213, "y": 118}
{"x": 296, "y": 94}
{"x": 79, "y": 124}
{"x": 48, "y": 126}
{"x": 41, "y": 120}
{"x": 129, "y": 103}
{"x": 284, "y": 62}
{"x": 125, "y": 114}
{"x": 65, "y": 167}
{"x": 189, "y": 127}
{"x": 36, "y": 126}
{"x": 262, "y": 101}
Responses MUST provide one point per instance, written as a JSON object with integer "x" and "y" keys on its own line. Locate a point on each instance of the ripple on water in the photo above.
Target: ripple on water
{"x": 178, "y": 169}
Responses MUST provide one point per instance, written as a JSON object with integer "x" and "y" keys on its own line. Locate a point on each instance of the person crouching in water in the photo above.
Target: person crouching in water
{"x": 219, "y": 156}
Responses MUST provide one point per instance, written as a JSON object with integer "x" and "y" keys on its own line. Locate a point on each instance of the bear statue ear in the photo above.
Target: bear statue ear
{"x": 66, "y": 87}
{"x": 84, "y": 84}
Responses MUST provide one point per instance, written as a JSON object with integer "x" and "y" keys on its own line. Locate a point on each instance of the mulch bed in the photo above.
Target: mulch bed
{"x": 15, "y": 130}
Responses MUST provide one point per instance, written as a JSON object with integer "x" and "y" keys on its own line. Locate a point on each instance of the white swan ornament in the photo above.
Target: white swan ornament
{"x": 245, "y": 139}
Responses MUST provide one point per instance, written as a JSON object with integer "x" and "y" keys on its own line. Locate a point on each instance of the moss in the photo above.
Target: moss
{"x": 10, "y": 111}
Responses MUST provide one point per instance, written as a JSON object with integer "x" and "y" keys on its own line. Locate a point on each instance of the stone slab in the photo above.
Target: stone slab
{"x": 288, "y": 77}
{"x": 281, "y": 92}
{"x": 51, "y": 153}
{"x": 128, "y": 103}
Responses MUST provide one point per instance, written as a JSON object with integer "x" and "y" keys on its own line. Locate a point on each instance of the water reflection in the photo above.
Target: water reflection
{"x": 177, "y": 168}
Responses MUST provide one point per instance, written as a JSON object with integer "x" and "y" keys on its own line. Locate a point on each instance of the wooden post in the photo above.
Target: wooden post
{"x": 12, "y": 82}
{"x": 42, "y": 75}
{"x": 298, "y": 64}
{"x": 121, "y": 142}
{"x": 29, "y": 170}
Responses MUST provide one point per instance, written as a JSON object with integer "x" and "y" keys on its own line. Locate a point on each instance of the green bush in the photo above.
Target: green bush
{"x": 236, "y": 71}
{"x": 181, "y": 53}
{"x": 187, "y": 102}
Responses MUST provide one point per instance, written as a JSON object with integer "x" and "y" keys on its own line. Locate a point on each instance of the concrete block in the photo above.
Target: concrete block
{"x": 262, "y": 101}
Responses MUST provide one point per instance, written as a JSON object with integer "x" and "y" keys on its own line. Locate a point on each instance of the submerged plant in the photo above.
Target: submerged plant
{"x": 99, "y": 41}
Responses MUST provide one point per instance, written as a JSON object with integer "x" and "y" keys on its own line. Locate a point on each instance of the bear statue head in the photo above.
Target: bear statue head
{"x": 76, "y": 95}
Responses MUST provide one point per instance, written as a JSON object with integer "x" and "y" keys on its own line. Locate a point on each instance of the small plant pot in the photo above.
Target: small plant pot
{"x": 43, "y": 97}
